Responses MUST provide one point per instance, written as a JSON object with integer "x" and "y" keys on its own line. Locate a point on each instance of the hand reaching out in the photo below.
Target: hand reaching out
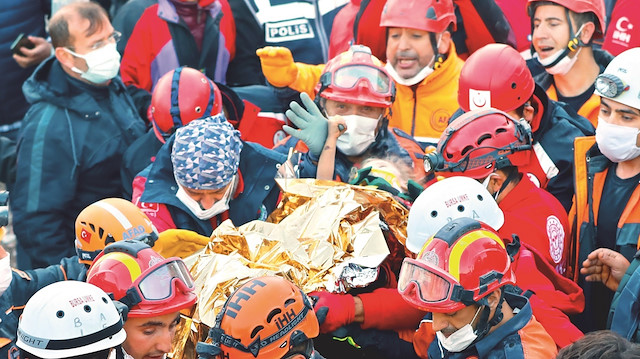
{"x": 606, "y": 266}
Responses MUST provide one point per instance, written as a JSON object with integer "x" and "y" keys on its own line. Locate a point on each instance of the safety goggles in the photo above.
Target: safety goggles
{"x": 348, "y": 77}
{"x": 432, "y": 285}
{"x": 609, "y": 85}
{"x": 159, "y": 284}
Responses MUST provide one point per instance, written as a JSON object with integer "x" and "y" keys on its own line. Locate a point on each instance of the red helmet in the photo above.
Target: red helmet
{"x": 578, "y": 6}
{"x": 110, "y": 220}
{"x": 480, "y": 142}
{"x": 181, "y": 96}
{"x": 458, "y": 266}
{"x": 426, "y": 15}
{"x": 495, "y": 76}
{"x": 355, "y": 76}
{"x": 267, "y": 317}
{"x": 139, "y": 277}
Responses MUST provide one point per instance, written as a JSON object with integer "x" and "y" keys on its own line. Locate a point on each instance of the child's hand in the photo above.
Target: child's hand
{"x": 337, "y": 126}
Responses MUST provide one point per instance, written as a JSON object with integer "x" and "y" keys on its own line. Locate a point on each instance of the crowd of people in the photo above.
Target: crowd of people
{"x": 131, "y": 130}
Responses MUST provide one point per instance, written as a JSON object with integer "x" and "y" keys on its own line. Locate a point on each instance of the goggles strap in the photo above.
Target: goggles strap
{"x": 131, "y": 299}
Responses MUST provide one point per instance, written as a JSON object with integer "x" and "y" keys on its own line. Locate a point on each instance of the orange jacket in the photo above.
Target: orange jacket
{"x": 591, "y": 169}
{"x": 589, "y": 109}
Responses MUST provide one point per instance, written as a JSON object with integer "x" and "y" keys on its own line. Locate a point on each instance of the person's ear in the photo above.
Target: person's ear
{"x": 64, "y": 57}
{"x": 494, "y": 298}
{"x": 588, "y": 30}
{"x": 496, "y": 181}
{"x": 528, "y": 112}
{"x": 445, "y": 42}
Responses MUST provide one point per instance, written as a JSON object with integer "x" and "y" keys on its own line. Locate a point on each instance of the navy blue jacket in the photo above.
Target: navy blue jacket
{"x": 23, "y": 286}
{"x": 17, "y": 16}
{"x": 559, "y": 126}
{"x": 258, "y": 166}
{"x": 504, "y": 342}
{"x": 624, "y": 316}
{"x": 69, "y": 154}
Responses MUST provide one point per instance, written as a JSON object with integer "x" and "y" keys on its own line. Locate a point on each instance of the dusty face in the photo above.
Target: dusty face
{"x": 150, "y": 338}
{"x": 409, "y": 51}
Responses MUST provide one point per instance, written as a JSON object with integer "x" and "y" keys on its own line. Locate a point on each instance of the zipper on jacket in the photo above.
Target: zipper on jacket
{"x": 414, "y": 88}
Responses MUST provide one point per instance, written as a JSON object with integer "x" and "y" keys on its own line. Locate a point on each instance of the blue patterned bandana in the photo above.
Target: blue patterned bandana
{"x": 206, "y": 153}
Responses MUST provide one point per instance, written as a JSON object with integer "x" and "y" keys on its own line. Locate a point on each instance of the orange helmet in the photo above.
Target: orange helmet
{"x": 458, "y": 266}
{"x": 355, "y": 76}
{"x": 427, "y": 15}
{"x": 480, "y": 142}
{"x": 181, "y": 96}
{"x": 139, "y": 277}
{"x": 495, "y": 76}
{"x": 110, "y": 220}
{"x": 596, "y": 7}
{"x": 267, "y": 317}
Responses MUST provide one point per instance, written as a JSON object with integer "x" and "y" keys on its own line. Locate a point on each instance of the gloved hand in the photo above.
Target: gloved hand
{"x": 179, "y": 243}
{"x": 277, "y": 65}
{"x": 333, "y": 310}
{"x": 313, "y": 126}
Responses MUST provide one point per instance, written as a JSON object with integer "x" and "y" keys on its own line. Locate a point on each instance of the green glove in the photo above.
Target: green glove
{"x": 313, "y": 126}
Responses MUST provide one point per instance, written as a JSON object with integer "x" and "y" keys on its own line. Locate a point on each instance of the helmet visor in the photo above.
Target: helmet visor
{"x": 431, "y": 286}
{"x": 348, "y": 77}
{"x": 157, "y": 284}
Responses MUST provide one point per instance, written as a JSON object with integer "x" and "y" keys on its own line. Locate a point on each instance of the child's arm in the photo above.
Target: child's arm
{"x": 327, "y": 161}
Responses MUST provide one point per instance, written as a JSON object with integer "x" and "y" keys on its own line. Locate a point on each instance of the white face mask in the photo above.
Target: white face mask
{"x": 421, "y": 75}
{"x": 485, "y": 183}
{"x": 218, "y": 207}
{"x": 617, "y": 143}
{"x": 5, "y": 274}
{"x": 564, "y": 65}
{"x": 103, "y": 64}
{"x": 461, "y": 339}
{"x": 360, "y": 134}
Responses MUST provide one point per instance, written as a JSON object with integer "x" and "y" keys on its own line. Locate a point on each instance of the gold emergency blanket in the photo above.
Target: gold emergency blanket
{"x": 318, "y": 228}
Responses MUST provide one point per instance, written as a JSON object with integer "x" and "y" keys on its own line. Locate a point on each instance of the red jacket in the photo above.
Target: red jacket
{"x": 160, "y": 42}
{"x": 539, "y": 220}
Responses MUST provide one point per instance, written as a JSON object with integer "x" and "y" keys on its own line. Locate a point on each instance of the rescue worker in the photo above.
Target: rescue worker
{"x": 206, "y": 174}
{"x": 562, "y": 34}
{"x": 607, "y": 173}
{"x": 555, "y": 297}
{"x": 462, "y": 276}
{"x": 491, "y": 147}
{"x": 421, "y": 59}
{"x": 356, "y": 87}
{"x": 70, "y": 319}
{"x": 154, "y": 290}
{"x": 180, "y": 96}
{"x": 497, "y": 76}
{"x": 258, "y": 309}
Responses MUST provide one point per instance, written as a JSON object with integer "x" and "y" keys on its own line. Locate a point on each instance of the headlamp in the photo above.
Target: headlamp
{"x": 610, "y": 85}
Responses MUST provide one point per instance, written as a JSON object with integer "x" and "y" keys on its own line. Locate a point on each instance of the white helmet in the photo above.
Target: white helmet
{"x": 446, "y": 200}
{"x": 67, "y": 319}
{"x": 620, "y": 81}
